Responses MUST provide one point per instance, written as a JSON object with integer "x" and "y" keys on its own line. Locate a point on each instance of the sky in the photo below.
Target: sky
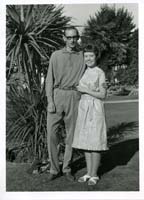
{"x": 80, "y": 12}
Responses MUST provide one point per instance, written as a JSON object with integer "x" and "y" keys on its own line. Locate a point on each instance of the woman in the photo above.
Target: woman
{"x": 90, "y": 131}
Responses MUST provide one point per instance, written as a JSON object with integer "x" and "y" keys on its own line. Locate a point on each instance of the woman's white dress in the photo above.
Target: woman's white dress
{"x": 90, "y": 131}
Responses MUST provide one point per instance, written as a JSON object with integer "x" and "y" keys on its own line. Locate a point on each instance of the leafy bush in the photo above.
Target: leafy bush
{"x": 26, "y": 121}
{"x": 32, "y": 33}
{"x": 123, "y": 92}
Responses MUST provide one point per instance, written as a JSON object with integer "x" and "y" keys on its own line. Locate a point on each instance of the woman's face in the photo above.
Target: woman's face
{"x": 89, "y": 58}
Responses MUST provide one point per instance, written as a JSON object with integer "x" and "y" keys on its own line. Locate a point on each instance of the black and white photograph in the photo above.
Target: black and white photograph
{"x": 72, "y": 98}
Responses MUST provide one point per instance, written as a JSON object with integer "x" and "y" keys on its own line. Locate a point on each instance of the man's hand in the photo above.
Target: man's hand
{"x": 51, "y": 107}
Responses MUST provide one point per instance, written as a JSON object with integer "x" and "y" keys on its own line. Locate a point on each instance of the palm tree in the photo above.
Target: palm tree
{"x": 130, "y": 74}
{"x": 32, "y": 33}
{"x": 110, "y": 30}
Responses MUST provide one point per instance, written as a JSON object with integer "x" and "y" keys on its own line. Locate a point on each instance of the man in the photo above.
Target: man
{"x": 65, "y": 70}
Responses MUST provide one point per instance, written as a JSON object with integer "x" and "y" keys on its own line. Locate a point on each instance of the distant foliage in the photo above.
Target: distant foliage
{"x": 110, "y": 30}
{"x": 130, "y": 74}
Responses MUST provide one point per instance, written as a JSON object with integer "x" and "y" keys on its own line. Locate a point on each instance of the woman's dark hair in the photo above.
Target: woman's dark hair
{"x": 91, "y": 48}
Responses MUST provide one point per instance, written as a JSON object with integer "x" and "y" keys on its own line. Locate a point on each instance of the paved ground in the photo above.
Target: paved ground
{"x": 122, "y": 101}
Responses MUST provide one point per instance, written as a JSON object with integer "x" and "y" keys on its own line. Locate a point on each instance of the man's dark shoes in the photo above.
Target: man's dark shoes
{"x": 53, "y": 176}
{"x": 69, "y": 176}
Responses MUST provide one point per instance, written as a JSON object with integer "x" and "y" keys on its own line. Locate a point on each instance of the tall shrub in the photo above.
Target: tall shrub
{"x": 33, "y": 32}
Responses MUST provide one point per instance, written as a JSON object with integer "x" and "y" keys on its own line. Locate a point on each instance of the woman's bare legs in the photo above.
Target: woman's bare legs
{"x": 88, "y": 157}
{"x": 95, "y": 162}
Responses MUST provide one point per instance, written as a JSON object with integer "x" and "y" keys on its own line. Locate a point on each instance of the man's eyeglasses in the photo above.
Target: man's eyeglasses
{"x": 76, "y": 37}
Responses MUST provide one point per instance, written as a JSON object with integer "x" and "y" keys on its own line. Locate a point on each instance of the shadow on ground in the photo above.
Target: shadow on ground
{"x": 117, "y": 132}
{"x": 118, "y": 154}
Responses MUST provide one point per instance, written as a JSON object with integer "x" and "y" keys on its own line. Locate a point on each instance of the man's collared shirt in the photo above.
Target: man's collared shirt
{"x": 65, "y": 69}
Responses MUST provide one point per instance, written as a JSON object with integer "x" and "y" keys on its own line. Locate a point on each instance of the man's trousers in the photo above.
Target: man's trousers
{"x": 66, "y": 102}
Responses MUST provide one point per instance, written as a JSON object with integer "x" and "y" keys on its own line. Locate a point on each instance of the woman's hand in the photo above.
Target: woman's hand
{"x": 82, "y": 89}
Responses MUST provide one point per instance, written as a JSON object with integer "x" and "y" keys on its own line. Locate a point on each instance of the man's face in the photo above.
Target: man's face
{"x": 71, "y": 38}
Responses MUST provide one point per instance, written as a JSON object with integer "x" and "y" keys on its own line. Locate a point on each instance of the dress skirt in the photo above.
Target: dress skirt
{"x": 90, "y": 131}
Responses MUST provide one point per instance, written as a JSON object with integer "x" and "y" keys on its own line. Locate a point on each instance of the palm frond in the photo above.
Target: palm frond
{"x": 12, "y": 13}
{"x": 29, "y": 40}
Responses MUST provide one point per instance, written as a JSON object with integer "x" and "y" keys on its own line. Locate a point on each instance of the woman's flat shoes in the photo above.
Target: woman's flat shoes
{"x": 84, "y": 178}
{"x": 93, "y": 180}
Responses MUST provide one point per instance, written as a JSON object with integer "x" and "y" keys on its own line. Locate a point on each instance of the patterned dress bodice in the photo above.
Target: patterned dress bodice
{"x": 92, "y": 79}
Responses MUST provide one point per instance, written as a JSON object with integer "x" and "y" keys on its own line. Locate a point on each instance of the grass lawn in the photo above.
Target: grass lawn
{"x": 119, "y": 167}
{"x": 121, "y": 112}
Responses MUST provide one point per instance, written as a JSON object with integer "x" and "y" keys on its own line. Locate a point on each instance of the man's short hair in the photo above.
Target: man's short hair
{"x": 71, "y": 28}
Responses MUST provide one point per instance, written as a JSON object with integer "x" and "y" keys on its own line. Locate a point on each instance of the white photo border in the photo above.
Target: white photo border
{"x": 68, "y": 195}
